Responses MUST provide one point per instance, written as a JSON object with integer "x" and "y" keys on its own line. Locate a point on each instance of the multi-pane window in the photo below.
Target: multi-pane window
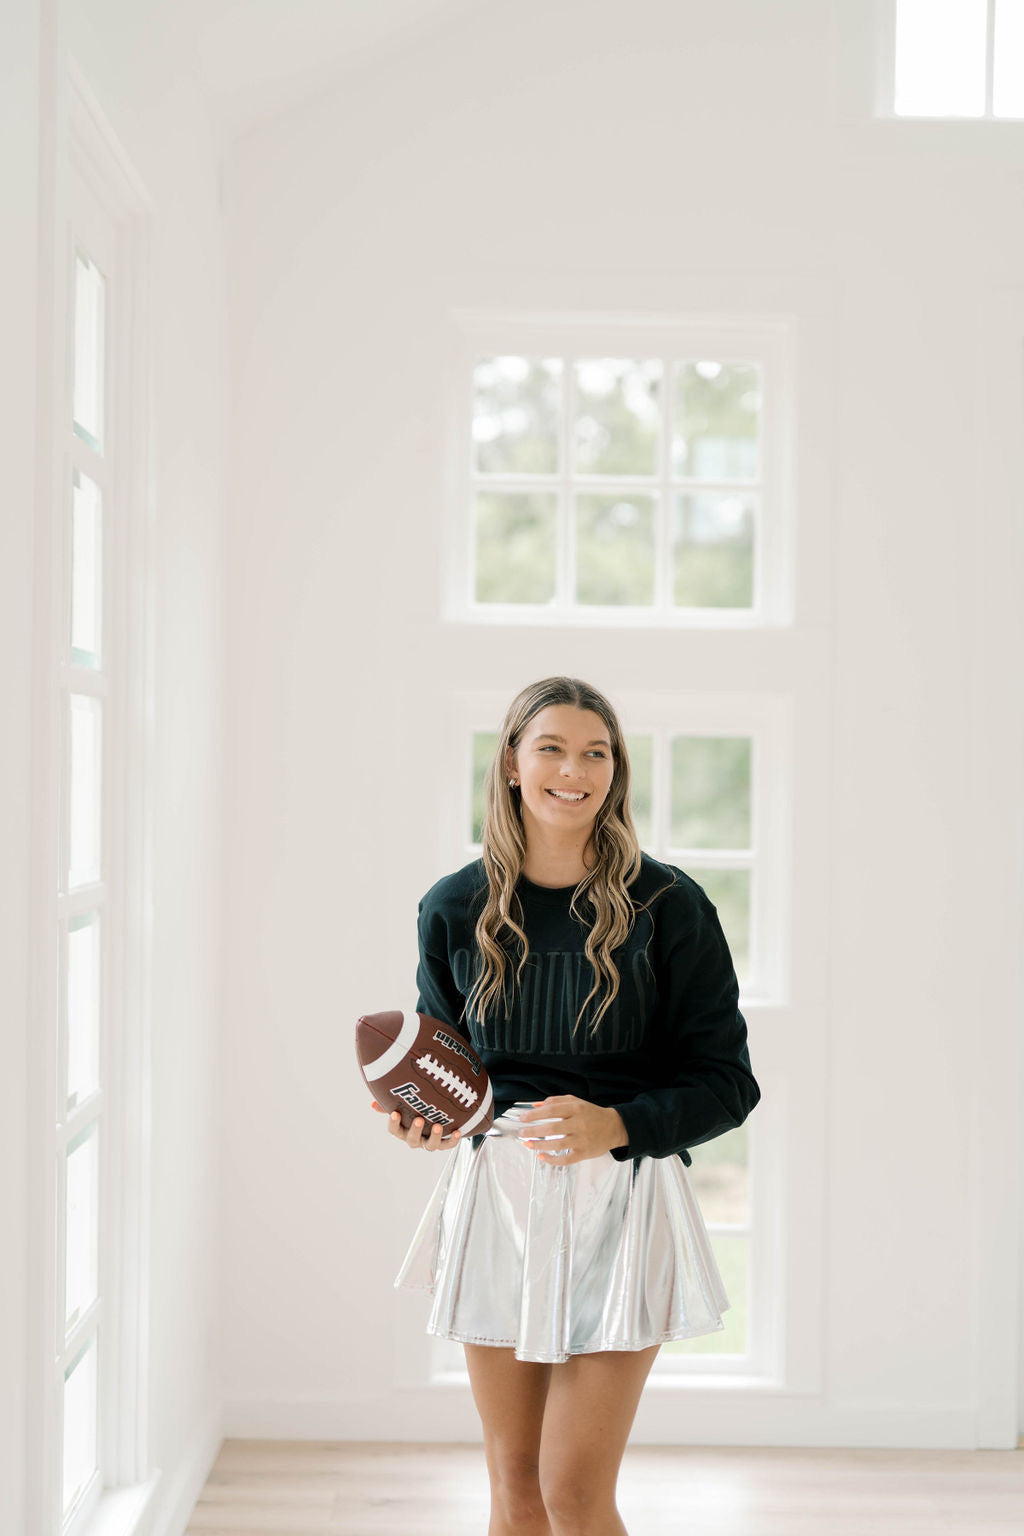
{"x": 616, "y": 483}
{"x": 959, "y": 58}
{"x": 92, "y": 756}
{"x": 82, "y": 895}
{"x": 692, "y": 804}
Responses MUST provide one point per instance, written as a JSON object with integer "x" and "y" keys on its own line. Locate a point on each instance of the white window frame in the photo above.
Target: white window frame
{"x": 783, "y": 666}
{"x": 767, "y": 721}
{"x": 97, "y": 200}
{"x": 765, "y": 339}
{"x": 884, "y": 33}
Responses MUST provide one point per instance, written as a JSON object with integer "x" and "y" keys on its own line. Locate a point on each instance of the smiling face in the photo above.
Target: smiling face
{"x": 564, "y": 753}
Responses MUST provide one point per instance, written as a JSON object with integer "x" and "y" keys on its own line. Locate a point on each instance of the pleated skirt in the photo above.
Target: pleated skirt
{"x": 553, "y": 1262}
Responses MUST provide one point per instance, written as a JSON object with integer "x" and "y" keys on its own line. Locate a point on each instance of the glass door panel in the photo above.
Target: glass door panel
{"x": 90, "y": 326}
{"x": 80, "y": 1448}
{"x": 86, "y": 571}
{"x": 84, "y": 796}
{"x": 83, "y": 1007}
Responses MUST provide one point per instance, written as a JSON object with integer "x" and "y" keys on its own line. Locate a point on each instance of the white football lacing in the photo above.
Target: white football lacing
{"x": 456, "y": 1086}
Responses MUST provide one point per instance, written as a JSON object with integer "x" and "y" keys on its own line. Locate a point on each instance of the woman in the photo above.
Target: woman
{"x": 565, "y": 1246}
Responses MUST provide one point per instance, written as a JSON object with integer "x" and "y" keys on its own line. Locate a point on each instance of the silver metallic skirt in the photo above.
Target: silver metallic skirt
{"x": 554, "y": 1262}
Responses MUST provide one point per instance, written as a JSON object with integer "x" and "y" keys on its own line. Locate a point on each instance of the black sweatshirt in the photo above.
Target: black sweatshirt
{"x": 670, "y": 1053}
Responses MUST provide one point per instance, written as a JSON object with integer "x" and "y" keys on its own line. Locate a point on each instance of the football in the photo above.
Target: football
{"x": 423, "y": 1068}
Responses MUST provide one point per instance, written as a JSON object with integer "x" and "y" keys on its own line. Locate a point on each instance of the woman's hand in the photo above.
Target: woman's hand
{"x": 414, "y": 1136}
{"x": 586, "y": 1130}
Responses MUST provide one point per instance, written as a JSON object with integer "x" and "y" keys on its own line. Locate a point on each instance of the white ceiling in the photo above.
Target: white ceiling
{"x": 260, "y": 57}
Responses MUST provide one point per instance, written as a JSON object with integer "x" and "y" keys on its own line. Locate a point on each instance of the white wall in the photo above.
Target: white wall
{"x": 582, "y": 155}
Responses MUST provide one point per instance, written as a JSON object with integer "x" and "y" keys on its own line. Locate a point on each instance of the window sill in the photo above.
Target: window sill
{"x": 541, "y": 615}
{"x": 122, "y": 1511}
{"x": 659, "y": 1380}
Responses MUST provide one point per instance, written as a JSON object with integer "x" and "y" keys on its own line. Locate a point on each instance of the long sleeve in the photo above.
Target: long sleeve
{"x": 438, "y": 995}
{"x": 709, "y": 1087}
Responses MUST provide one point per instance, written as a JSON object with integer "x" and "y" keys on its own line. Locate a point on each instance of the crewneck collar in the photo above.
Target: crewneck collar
{"x": 547, "y": 895}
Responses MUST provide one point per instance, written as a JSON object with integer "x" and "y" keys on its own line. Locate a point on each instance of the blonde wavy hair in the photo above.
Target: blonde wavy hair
{"x": 604, "y": 888}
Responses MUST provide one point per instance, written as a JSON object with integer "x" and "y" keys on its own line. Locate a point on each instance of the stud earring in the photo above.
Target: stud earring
{"x": 511, "y": 783}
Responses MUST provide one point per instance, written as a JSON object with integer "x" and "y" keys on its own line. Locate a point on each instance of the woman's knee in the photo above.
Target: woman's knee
{"x": 572, "y": 1497}
{"x": 515, "y": 1483}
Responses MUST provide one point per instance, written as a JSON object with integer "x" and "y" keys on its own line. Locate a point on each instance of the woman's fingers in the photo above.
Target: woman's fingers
{"x": 414, "y": 1136}
{"x": 559, "y": 1151}
{"x": 584, "y": 1130}
{"x": 394, "y": 1120}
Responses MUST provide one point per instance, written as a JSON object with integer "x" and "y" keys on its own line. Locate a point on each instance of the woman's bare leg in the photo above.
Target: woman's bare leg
{"x": 510, "y": 1396}
{"x": 590, "y": 1408}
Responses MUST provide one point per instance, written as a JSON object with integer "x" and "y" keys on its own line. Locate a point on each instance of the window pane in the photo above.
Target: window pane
{"x": 615, "y": 549}
{"x": 641, "y": 762}
{"x": 618, "y": 416}
{"x": 515, "y": 546}
{"x": 82, "y": 1226}
{"x": 716, "y": 420}
{"x": 731, "y": 1256}
{"x": 710, "y": 792}
{"x": 485, "y": 744}
{"x": 720, "y": 1179}
{"x": 517, "y": 403}
{"x": 940, "y": 57}
{"x": 1008, "y": 69}
{"x": 79, "y": 1423}
{"x": 729, "y": 892}
{"x": 86, "y": 572}
{"x": 90, "y": 303}
{"x": 712, "y": 550}
{"x": 83, "y": 1003}
{"x": 84, "y": 797}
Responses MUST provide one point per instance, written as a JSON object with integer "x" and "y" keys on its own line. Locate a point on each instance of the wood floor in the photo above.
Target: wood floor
{"x": 349, "y": 1489}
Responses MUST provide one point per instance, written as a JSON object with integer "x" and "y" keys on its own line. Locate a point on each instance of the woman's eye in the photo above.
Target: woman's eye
{"x": 551, "y": 748}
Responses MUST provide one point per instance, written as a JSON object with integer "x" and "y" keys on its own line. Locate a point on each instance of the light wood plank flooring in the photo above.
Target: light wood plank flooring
{"x": 307, "y": 1488}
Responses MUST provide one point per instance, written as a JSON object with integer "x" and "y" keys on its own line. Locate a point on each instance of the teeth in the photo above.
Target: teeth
{"x": 563, "y": 795}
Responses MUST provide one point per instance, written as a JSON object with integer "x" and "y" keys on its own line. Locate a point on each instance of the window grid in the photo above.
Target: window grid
{"x": 684, "y": 1356}
{"x": 91, "y": 941}
{"x": 662, "y": 485}
{"x": 766, "y": 722}
{"x": 910, "y": 74}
